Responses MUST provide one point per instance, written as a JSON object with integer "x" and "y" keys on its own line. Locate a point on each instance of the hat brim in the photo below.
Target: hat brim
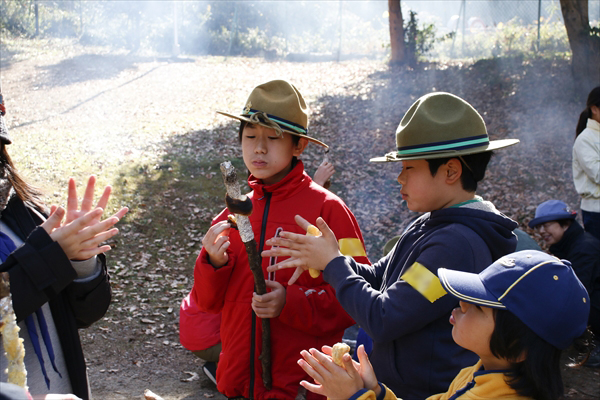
{"x": 552, "y": 217}
{"x": 467, "y": 287}
{"x": 4, "y": 131}
{"x": 492, "y": 145}
{"x": 246, "y": 119}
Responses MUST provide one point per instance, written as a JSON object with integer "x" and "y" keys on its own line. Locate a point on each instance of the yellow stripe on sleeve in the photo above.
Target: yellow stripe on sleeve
{"x": 352, "y": 247}
{"x": 424, "y": 282}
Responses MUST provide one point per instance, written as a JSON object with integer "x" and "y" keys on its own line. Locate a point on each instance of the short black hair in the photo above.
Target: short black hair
{"x": 472, "y": 172}
{"x": 295, "y": 138}
{"x": 538, "y": 375}
{"x": 564, "y": 222}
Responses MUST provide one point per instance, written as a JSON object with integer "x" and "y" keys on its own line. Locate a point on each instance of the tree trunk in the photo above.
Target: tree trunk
{"x": 396, "y": 32}
{"x": 585, "y": 47}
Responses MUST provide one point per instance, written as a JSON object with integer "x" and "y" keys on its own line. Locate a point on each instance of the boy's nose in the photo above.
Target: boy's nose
{"x": 261, "y": 146}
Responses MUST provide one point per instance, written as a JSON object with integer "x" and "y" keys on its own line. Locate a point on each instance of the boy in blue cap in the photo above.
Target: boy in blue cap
{"x": 566, "y": 239}
{"x": 444, "y": 148}
{"x": 517, "y": 315}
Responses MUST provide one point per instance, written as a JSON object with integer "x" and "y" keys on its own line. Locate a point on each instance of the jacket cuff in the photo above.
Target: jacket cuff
{"x": 337, "y": 271}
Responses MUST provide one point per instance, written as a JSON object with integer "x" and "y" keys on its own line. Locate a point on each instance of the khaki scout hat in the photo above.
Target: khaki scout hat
{"x": 441, "y": 125}
{"x": 278, "y": 105}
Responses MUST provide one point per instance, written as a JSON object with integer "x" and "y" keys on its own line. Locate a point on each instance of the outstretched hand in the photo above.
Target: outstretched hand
{"x": 303, "y": 251}
{"x": 83, "y": 230}
{"x": 73, "y": 210}
{"x": 334, "y": 381}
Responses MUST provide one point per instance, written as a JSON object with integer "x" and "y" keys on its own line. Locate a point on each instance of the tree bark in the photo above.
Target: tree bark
{"x": 585, "y": 47}
{"x": 396, "y": 32}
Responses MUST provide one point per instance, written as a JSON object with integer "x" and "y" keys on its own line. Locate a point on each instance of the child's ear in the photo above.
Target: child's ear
{"x": 453, "y": 170}
{"x": 299, "y": 148}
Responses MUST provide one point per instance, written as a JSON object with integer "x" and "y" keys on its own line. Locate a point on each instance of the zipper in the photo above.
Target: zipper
{"x": 261, "y": 244}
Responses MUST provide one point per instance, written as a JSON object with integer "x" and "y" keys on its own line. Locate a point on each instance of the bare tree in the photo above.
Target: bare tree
{"x": 396, "y": 32}
{"x": 585, "y": 45}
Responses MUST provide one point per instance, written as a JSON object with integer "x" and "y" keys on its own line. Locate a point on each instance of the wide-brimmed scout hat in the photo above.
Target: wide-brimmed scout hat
{"x": 441, "y": 125}
{"x": 279, "y": 105}
{"x": 552, "y": 210}
{"x": 539, "y": 289}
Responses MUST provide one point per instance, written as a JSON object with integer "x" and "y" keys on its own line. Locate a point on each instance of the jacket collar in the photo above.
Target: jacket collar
{"x": 295, "y": 181}
{"x": 570, "y": 236}
{"x": 593, "y": 124}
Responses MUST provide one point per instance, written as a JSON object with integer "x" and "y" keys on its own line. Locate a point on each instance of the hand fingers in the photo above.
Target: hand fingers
{"x": 273, "y": 285}
{"x": 302, "y": 223}
{"x": 318, "y": 389}
{"x": 103, "y": 201}
{"x": 88, "y": 196}
{"x": 99, "y": 238}
{"x": 54, "y": 220}
{"x": 53, "y": 208}
{"x": 324, "y": 228}
{"x": 121, "y": 213}
{"x": 296, "y": 275}
{"x": 72, "y": 196}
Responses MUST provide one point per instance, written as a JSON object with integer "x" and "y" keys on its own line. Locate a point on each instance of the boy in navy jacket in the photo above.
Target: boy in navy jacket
{"x": 444, "y": 149}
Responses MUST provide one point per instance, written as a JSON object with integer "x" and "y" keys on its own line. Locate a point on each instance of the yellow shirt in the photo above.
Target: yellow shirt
{"x": 471, "y": 383}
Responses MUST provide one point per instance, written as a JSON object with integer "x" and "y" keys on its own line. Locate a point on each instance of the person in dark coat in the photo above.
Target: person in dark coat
{"x": 58, "y": 276}
{"x": 568, "y": 240}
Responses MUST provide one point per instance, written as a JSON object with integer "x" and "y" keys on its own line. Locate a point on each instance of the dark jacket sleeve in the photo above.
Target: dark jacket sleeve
{"x": 39, "y": 271}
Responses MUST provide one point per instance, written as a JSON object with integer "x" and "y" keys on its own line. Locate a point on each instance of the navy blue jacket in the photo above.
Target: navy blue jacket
{"x": 582, "y": 249}
{"x": 413, "y": 351}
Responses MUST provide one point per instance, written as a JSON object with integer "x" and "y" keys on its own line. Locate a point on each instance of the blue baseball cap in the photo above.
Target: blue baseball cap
{"x": 541, "y": 290}
{"x": 552, "y": 210}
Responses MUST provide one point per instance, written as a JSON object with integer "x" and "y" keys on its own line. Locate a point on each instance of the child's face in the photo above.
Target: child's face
{"x": 268, "y": 156}
{"x": 552, "y": 232}
{"x": 473, "y": 327}
{"x": 420, "y": 189}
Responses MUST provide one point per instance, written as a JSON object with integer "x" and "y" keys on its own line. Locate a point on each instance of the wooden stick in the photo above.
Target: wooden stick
{"x": 254, "y": 260}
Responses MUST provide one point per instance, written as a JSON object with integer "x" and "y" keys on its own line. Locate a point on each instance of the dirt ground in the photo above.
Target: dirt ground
{"x": 108, "y": 110}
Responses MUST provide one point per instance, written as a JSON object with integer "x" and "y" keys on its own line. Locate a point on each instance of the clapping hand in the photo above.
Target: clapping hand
{"x": 334, "y": 381}
{"x": 83, "y": 230}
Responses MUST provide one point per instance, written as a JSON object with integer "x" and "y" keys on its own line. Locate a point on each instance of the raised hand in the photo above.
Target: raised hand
{"x": 324, "y": 172}
{"x": 331, "y": 380}
{"x": 73, "y": 210}
{"x": 80, "y": 239}
{"x": 303, "y": 251}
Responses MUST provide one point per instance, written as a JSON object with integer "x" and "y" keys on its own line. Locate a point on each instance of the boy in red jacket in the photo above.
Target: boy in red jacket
{"x": 273, "y": 134}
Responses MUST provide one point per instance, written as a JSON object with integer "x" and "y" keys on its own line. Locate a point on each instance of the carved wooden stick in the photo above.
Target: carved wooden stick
{"x": 254, "y": 260}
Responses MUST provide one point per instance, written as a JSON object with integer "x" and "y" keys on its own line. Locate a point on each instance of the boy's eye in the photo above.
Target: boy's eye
{"x": 249, "y": 136}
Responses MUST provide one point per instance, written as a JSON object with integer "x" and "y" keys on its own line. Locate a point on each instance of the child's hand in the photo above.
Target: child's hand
{"x": 216, "y": 241}
{"x": 331, "y": 380}
{"x": 269, "y": 305}
{"x": 81, "y": 238}
{"x": 303, "y": 250}
{"x": 366, "y": 371}
{"x": 73, "y": 212}
{"x": 324, "y": 172}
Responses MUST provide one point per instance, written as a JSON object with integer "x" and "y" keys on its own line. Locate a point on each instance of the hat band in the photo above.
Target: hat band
{"x": 459, "y": 144}
{"x": 280, "y": 121}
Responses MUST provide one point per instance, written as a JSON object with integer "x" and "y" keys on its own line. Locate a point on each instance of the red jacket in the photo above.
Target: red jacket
{"x": 311, "y": 317}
